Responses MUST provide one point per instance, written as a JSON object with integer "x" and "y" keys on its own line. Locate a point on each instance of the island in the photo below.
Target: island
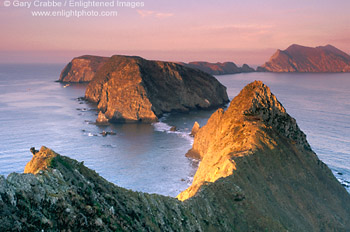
{"x": 297, "y": 58}
{"x": 83, "y": 69}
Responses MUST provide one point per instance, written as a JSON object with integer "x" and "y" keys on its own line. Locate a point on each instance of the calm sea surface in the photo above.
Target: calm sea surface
{"x": 35, "y": 110}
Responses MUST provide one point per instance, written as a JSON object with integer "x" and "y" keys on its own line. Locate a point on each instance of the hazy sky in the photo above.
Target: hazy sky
{"x": 246, "y": 31}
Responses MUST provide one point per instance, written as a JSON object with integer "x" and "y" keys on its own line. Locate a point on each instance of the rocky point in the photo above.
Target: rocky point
{"x": 82, "y": 69}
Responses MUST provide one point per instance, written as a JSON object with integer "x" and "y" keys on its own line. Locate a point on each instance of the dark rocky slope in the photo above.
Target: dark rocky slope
{"x": 82, "y": 69}
{"x": 257, "y": 173}
{"x": 132, "y": 89}
{"x": 298, "y": 58}
{"x": 219, "y": 68}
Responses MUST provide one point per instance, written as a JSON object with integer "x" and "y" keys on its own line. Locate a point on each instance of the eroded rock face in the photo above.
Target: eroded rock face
{"x": 219, "y": 68}
{"x": 82, "y": 69}
{"x": 298, "y": 58}
{"x": 132, "y": 89}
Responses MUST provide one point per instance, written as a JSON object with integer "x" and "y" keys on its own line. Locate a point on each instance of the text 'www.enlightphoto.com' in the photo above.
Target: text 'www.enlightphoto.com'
{"x": 72, "y": 8}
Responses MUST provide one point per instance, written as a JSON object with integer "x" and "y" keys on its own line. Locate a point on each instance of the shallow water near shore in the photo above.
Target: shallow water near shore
{"x": 35, "y": 110}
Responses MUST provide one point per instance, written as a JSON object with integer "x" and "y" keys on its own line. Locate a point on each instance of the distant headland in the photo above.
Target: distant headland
{"x": 297, "y": 58}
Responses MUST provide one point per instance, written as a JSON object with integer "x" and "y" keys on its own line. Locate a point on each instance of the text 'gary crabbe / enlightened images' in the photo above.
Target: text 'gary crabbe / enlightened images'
{"x": 73, "y": 8}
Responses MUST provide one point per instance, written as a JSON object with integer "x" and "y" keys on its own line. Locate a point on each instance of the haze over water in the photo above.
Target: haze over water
{"x": 36, "y": 111}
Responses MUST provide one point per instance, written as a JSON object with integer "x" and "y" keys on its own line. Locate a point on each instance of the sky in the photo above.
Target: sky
{"x": 247, "y": 31}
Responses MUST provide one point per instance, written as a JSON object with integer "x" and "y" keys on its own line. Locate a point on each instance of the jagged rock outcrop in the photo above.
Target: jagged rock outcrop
{"x": 101, "y": 118}
{"x": 82, "y": 68}
{"x": 40, "y": 161}
{"x": 219, "y": 68}
{"x": 298, "y": 58}
{"x": 132, "y": 89}
{"x": 257, "y": 173}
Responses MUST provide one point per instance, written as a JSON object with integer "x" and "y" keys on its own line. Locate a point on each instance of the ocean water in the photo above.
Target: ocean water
{"x": 35, "y": 110}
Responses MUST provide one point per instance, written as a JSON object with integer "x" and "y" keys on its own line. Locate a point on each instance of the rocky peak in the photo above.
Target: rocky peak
{"x": 295, "y": 47}
{"x": 264, "y": 104}
{"x": 245, "y": 127}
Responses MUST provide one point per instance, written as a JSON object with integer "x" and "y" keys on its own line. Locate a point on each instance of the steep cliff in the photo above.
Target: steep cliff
{"x": 298, "y": 58}
{"x": 219, "y": 68}
{"x": 82, "y": 69}
{"x": 132, "y": 89}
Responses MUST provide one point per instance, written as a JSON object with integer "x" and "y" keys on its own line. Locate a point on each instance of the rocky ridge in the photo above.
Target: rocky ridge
{"x": 257, "y": 173}
{"x": 82, "y": 69}
{"x": 64, "y": 195}
{"x": 132, "y": 89}
{"x": 297, "y": 58}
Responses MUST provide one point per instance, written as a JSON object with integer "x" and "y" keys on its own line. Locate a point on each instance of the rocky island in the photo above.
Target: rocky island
{"x": 132, "y": 89}
{"x": 219, "y": 68}
{"x": 82, "y": 69}
{"x": 257, "y": 173}
{"x": 297, "y": 58}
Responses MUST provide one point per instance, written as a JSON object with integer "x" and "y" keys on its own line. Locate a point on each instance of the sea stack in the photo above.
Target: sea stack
{"x": 297, "y": 58}
{"x": 132, "y": 89}
{"x": 82, "y": 69}
{"x": 195, "y": 129}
